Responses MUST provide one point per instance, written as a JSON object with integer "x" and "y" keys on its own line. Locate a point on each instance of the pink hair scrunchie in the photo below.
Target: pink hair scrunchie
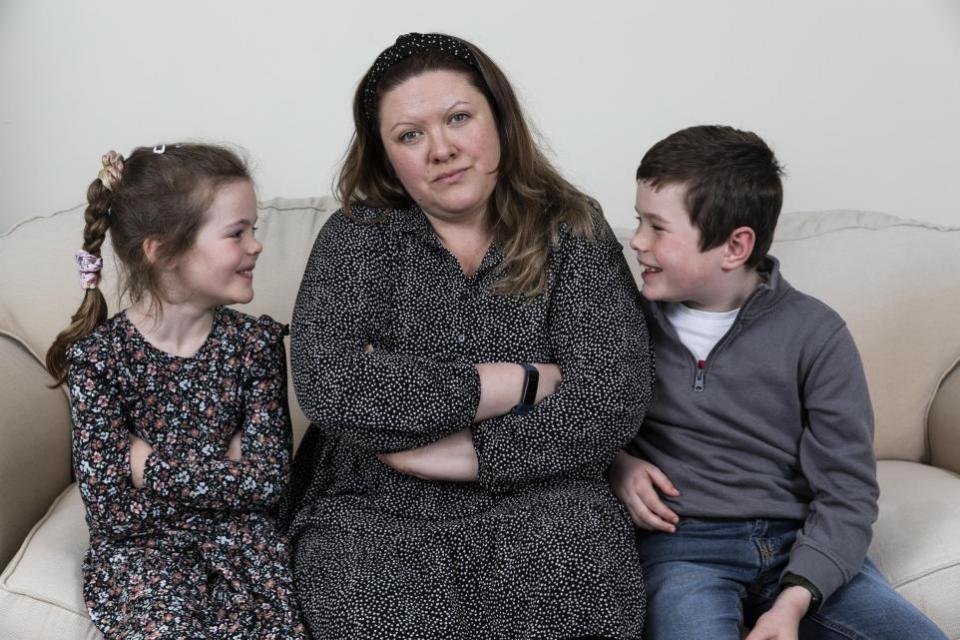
{"x": 89, "y": 266}
{"x": 112, "y": 169}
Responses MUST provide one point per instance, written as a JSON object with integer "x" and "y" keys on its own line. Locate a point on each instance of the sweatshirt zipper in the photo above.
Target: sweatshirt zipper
{"x": 698, "y": 381}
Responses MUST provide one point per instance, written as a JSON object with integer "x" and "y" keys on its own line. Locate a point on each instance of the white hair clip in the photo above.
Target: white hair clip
{"x": 160, "y": 148}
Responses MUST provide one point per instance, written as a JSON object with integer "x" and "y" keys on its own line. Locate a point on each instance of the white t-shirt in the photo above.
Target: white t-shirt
{"x": 699, "y": 330}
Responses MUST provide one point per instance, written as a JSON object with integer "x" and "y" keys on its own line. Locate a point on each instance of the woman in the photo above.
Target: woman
{"x": 468, "y": 344}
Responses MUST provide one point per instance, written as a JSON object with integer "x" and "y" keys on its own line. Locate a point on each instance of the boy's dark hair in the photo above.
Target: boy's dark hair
{"x": 732, "y": 180}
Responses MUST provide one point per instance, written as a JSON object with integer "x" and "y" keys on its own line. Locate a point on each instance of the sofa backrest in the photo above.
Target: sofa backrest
{"x": 891, "y": 279}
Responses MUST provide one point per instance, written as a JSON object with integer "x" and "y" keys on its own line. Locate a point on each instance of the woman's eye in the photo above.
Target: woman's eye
{"x": 459, "y": 117}
{"x": 409, "y": 136}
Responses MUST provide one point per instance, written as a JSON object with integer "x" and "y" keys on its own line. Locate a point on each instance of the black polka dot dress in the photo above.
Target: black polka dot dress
{"x": 195, "y": 553}
{"x": 538, "y": 547}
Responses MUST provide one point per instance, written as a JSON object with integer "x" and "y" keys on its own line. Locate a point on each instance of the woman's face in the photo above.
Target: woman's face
{"x": 441, "y": 139}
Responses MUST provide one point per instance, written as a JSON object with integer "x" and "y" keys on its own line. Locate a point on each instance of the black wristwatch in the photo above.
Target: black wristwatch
{"x": 531, "y": 380}
{"x": 793, "y": 580}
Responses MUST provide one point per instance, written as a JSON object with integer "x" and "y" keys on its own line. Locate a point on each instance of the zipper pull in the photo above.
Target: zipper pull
{"x": 698, "y": 382}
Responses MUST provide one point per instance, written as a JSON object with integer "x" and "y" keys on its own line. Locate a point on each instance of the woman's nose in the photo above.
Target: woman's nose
{"x": 442, "y": 147}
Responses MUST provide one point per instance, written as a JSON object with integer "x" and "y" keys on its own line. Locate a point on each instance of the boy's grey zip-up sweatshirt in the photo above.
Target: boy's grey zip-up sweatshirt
{"x": 775, "y": 423}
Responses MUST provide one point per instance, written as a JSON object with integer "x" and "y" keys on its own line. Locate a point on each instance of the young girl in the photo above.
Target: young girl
{"x": 181, "y": 431}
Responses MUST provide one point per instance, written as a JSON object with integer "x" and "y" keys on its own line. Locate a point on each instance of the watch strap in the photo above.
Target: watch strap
{"x": 531, "y": 382}
{"x": 794, "y": 580}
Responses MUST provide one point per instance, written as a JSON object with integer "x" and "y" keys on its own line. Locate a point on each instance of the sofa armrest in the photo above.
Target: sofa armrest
{"x": 943, "y": 424}
{"x": 34, "y": 444}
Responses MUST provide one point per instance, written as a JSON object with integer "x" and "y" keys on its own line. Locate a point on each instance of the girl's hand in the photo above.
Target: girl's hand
{"x": 233, "y": 451}
{"x": 140, "y": 450}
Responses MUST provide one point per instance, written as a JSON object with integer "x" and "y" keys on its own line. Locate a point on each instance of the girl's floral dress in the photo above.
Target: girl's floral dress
{"x": 195, "y": 553}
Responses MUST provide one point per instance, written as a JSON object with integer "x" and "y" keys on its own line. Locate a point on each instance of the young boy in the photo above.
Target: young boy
{"x": 753, "y": 476}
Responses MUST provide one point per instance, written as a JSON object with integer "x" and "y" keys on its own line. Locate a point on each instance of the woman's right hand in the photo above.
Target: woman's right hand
{"x": 140, "y": 450}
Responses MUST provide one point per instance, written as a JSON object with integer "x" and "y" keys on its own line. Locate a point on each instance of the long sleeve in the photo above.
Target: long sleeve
{"x": 600, "y": 342}
{"x": 380, "y": 401}
{"x": 837, "y": 460}
{"x": 101, "y": 442}
{"x": 259, "y": 479}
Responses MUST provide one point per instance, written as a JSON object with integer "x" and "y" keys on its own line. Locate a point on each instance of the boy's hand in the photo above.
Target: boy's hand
{"x": 782, "y": 621}
{"x": 635, "y": 483}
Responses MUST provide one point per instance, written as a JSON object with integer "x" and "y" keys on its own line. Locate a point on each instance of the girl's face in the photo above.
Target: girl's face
{"x": 218, "y": 268}
{"x": 441, "y": 139}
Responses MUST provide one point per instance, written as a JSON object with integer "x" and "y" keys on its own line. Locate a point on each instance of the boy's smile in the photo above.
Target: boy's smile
{"x": 668, "y": 250}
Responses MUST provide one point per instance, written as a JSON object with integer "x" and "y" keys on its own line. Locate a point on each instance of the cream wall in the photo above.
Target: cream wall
{"x": 860, "y": 99}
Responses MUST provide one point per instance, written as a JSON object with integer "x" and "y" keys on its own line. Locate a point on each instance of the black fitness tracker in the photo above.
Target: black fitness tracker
{"x": 531, "y": 380}
{"x": 793, "y": 580}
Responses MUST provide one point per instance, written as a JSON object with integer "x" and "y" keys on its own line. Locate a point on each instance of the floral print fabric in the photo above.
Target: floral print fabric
{"x": 195, "y": 553}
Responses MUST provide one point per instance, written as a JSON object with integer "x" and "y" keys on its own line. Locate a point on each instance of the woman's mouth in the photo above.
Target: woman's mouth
{"x": 450, "y": 177}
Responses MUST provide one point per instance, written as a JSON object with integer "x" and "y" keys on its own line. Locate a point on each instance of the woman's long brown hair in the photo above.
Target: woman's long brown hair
{"x": 531, "y": 199}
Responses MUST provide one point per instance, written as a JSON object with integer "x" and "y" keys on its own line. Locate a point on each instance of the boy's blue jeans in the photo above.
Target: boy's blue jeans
{"x": 713, "y": 577}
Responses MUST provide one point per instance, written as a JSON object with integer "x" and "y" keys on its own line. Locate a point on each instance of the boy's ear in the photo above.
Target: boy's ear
{"x": 738, "y": 248}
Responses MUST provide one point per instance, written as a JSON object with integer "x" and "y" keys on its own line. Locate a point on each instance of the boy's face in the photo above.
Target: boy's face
{"x": 668, "y": 249}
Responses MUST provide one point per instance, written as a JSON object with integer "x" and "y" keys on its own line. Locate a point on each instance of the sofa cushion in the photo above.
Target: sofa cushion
{"x": 41, "y": 589}
{"x": 915, "y": 541}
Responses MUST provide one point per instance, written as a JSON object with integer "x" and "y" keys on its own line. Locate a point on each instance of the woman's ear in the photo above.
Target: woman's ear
{"x": 738, "y": 248}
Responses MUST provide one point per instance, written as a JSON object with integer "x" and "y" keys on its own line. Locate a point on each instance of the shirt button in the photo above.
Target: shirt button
{"x": 461, "y": 338}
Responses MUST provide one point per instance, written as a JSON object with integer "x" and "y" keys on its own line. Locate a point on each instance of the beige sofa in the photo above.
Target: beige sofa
{"x": 894, "y": 281}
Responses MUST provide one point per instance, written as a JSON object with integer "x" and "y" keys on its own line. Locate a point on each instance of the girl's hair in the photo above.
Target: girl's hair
{"x": 531, "y": 199}
{"x": 162, "y": 194}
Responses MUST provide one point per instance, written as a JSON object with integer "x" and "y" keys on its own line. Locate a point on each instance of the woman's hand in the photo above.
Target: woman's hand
{"x": 452, "y": 459}
{"x": 233, "y": 451}
{"x": 140, "y": 450}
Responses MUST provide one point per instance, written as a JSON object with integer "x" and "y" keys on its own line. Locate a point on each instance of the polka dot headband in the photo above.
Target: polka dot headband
{"x": 406, "y": 46}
